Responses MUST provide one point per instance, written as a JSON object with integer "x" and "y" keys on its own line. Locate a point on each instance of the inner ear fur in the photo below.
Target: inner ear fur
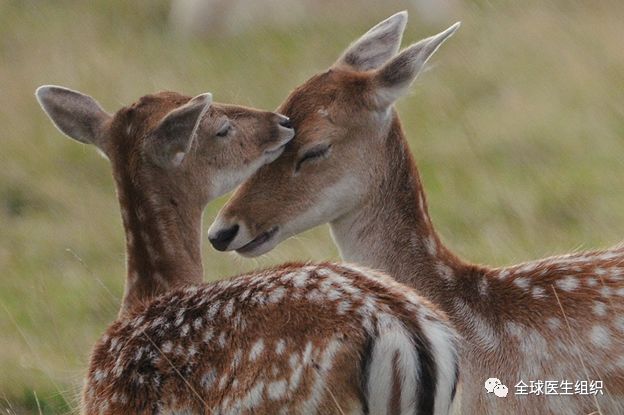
{"x": 75, "y": 114}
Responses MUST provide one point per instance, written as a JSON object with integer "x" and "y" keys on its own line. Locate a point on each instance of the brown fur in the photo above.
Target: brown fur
{"x": 190, "y": 349}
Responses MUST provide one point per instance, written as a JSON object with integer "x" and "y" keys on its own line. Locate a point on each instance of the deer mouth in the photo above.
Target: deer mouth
{"x": 252, "y": 247}
{"x": 276, "y": 152}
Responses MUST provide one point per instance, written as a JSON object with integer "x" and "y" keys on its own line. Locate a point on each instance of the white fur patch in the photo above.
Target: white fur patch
{"x": 568, "y": 283}
{"x": 325, "y": 365}
{"x": 522, "y": 283}
{"x": 600, "y": 336}
{"x": 393, "y": 340}
{"x": 280, "y": 346}
{"x": 538, "y": 292}
{"x": 600, "y": 309}
{"x": 277, "y": 390}
{"x": 256, "y": 350}
{"x": 553, "y": 323}
{"x": 442, "y": 343}
{"x": 276, "y": 295}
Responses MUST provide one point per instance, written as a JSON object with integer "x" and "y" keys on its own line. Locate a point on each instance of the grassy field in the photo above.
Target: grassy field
{"x": 518, "y": 129}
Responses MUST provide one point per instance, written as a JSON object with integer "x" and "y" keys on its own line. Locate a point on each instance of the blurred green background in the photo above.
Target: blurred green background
{"x": 518, "y": 129}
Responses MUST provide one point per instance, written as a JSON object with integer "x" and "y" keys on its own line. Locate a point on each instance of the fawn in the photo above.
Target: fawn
{"x": 295, "y": 339}
{"x": 559, "y": 318}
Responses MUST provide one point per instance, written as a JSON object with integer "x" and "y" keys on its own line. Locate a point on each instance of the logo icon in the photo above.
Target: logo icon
{"x": 494, "y": 385}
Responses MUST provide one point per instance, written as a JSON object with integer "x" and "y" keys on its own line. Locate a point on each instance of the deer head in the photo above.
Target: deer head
{"x": 171, "y": 154}
{"x": 342, "y": 117}
{"x": 214, "y": 146}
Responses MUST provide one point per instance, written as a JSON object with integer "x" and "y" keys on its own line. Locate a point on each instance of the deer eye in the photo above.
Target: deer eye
{"x": 224, "y": 130}
{"x": 314, "y": 153}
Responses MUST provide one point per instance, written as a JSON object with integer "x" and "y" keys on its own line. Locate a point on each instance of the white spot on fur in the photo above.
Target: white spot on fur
{"x": 178, "y": 158}
{"x": 553, "y": 323}
{"x": 99, "y": 375}
{"x": 606, "y": 291}
{"x": 503, "y": 274}
{"x": 256, "y": 350}
{"x": 229, "y": 308}
{"x": 221, "y": 339}
{"x": 515, "y": 330}
{"x": 600, "y": 336}
{"x": 538, "y": 292}
{"x": 568, "y": 283}
{"x": 276, "y": 295}
{"x": 253, "y": 397}
{"x": 533, "y": 344}
{"x": 223, "y": 381}
{"x": 431, "y": 245}
{"x": 300, "y": 279}
{"x": 343, "y": 307}
{"x": 208, "y": 335}
{"x": 529, "y": 267}
{"x": 445, "y": 271}
{"x": 280, "y": 346}
{"x": 213, "y": 310}
{"x": 209, "y": 378}
{"x": 236, "y": 358}
{"x": 184, "y": 331}
{"x": 591, "y": 282}
{"x": 600, "y": 309}
{"x": 277, "y": 390}
{"x": 166, "y": 347}
{"x": 483, "y": 287}
{"x": 333, "y": 295}
{"x": 179, "y": 318}
{"x": 307, "y": 354}
{"x": 522, "y": 283}
{"x": 315, "y": 296}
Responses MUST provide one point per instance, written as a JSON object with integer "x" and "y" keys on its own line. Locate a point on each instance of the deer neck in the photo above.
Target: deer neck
{"x": 391, "y": 230}
{"x": 163, "y": 237}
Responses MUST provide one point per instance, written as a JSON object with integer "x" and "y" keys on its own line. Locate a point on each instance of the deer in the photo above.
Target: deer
{"x": 349, "y": 165}
{"x": 294, "y": 339}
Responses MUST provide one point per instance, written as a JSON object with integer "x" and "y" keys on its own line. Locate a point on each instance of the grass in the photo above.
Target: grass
{"x": 518, "y": 129}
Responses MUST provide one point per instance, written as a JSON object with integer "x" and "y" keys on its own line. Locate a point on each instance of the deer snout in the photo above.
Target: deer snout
{"x": 222, "y": 238}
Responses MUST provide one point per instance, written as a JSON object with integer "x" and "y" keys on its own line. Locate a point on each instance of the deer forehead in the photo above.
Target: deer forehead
{"x": 327, "y": 94}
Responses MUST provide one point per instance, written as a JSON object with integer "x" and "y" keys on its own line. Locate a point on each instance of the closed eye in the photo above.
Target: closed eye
{"x": 313, "y": 154}
{"x": 224, "y": 130}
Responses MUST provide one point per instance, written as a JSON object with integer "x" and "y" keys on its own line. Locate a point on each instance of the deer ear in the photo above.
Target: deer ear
{"x": 376, "y": 46}
{"x": 394, "y": 78}
{"x": 76, "y": 115}
{"x": 173, "y": 137}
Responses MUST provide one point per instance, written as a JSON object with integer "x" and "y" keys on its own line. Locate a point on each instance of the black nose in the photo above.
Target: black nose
{"x": 285, "y": 122}
{"x": 222, "y": 240}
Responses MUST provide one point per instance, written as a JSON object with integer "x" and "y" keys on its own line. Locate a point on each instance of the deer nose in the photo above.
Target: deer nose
{"x": 285, "y": 122}
{"x": 223, "y": 238}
